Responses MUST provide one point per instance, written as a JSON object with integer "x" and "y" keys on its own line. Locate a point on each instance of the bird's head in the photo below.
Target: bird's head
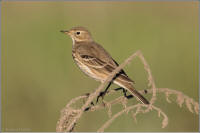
{"x": 78, "y": 34}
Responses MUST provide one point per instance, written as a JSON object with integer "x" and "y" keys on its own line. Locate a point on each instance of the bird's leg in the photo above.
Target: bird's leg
{"x": 88, "y": 94}
{"x": 102, "y": 94}
{"x": 117, "y": 89}
{"x": 124, "y": 92}
{"x": 86, "y": 109}
{"x": 127, "y": 96}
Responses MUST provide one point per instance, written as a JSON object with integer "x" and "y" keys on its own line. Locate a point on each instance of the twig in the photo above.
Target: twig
{"x": 69, "y": 115}
{"x": 98, "y": 90}
{"x": 137, "y": 106}
{"x": 150, "y": 77}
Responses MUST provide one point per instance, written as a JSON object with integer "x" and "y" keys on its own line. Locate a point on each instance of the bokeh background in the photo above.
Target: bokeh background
{"x": 39, "y": 76}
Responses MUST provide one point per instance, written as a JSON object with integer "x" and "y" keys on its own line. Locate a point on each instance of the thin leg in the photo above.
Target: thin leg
{"x": 102, "y": 94}
{"x": 124, "y": 92}
{"x": 127, "y": 96}
{"x": 116, "y": 89}
{"x": 88, "y": 94}
{"x": 86, "y": 109}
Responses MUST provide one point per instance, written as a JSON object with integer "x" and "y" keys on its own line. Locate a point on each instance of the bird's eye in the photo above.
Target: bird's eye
{"x": 78, "y": 33}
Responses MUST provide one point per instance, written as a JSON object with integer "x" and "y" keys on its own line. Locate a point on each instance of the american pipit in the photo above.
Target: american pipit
{"x": 96, "y": 62}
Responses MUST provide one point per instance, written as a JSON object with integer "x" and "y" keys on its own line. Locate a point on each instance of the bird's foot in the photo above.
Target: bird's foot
{"x": 101, "y": 94}
{"x": 91, "y": 104}
{"x": 124, "y": 92}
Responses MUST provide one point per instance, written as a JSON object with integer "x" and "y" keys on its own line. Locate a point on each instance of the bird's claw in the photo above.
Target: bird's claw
{"x": 102, "y": 94}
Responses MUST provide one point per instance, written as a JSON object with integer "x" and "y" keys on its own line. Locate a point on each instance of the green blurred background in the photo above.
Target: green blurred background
{"x": 40, "y": 77}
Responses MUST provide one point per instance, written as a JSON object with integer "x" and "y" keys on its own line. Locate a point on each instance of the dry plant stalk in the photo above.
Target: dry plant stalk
{"x": 70, "y": 116}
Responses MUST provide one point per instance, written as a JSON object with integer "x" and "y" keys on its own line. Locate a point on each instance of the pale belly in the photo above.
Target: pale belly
{"x": 87, "y": 70}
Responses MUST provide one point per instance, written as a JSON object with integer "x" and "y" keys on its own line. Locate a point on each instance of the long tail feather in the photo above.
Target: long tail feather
{"x": 127, "y": 83}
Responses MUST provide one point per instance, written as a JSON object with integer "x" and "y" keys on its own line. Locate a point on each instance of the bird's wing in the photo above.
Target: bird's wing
{"x": 99, "y": 64}
{"x": 93, "y": 55}
{"x": 92, "y": 61}
{"x": 97, "y": 57}
{"x": 122, "y": 72}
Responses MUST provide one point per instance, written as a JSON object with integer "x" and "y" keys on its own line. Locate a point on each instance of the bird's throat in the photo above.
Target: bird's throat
{"x": 73, "y": 41}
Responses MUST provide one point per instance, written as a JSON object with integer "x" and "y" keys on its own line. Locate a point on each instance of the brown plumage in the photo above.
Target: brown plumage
{"x": 96, "y": 62}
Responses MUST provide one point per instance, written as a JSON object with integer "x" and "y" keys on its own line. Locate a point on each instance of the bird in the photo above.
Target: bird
{"x": 96, "y": 62}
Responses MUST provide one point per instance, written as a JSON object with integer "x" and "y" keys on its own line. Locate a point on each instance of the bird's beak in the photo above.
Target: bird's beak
{"x": 65, "y": 31}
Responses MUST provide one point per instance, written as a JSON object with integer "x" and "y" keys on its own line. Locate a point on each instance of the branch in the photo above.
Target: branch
{"x": 70, "y": 116}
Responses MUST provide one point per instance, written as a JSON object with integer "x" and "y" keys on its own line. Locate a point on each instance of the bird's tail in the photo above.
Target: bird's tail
{"x": 125, "y": 83}
{"x": 135, "y": 93}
